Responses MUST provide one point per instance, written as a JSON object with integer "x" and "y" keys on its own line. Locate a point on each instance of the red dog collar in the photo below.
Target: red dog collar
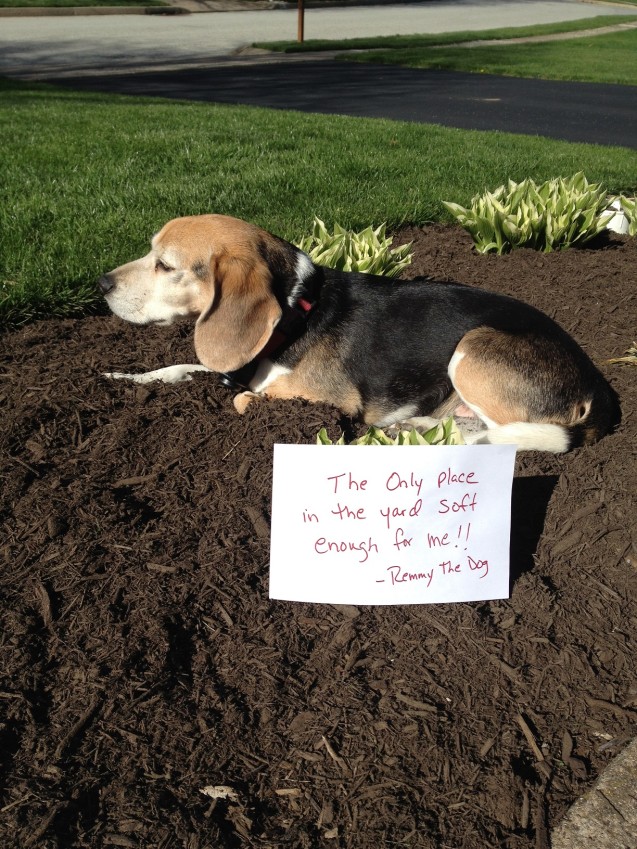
{"x": 291, "y": 322}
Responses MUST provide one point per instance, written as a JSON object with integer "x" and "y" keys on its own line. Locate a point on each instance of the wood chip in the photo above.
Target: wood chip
{"x": 44, "y": 601}
{"x": 486, "y": 747}
{"x": 416, "y": 704}
{"x": 566, "y": 543}
{"x": 529, "y": 737}
{"x": 567, "y": 746}
{"x": 526, "y": 810}
{"x": 134, "y": 481}
{"x": 604, "y": 705}
{"x": 336, "y": 758}
{"x": 225, "y": 615}
{"x": 78, "y": 726}
{"x": 160, "y": 567}
{"x": 33, "y": 838}
{"x": 220, "y": 791}
{"x": 120, "y": 840}
{"x": 346, "y": 610}
{"x": 259, "y": 522}
{"x": 509, "y": 671}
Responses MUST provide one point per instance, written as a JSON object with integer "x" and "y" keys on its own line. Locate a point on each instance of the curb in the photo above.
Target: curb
{"x": 88, "y": 11}
{"x": 606, "y": 816}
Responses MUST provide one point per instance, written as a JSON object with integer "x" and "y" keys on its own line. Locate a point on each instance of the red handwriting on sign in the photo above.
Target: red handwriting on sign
{"x": 449, "y": 568}
{"x": 449, "y": 477}
{"x": 466, "y": 532}
{"x": 400, "y": 540}
{"x": 433, "y": 540}
{"x": 345, "y": 512}
{"x": 365, "y": 547}
{"x": 400, "y": 512}
{"x": 400, "y": 576}
{"x": 476, "y": 565}
{"x": 394, "y": 482}
{"x": 350, "y": 483}
{"x": 467, "y": 502}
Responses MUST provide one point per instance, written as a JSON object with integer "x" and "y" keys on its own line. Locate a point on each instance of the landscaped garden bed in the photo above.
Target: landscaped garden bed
{"x": 144, "y": 664}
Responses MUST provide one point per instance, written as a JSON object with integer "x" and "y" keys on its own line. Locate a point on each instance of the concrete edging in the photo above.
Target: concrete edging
{"x": 84, "y": 11}
{"x": 606, "y": 816}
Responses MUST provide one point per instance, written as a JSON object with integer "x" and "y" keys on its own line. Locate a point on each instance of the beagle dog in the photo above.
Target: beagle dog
{"x": 274, "y": 323}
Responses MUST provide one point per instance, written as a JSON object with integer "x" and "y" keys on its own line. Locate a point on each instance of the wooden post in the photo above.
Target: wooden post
{"x": 301, "y": 21}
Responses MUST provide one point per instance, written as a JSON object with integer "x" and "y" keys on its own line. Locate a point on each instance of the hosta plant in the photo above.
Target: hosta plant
{"x": 444, "y": 433}
{"x": 369, "y": 250}
{"x": 548, "y": 217}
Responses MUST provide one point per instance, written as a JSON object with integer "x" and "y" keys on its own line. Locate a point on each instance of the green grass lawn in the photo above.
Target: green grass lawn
{"x": 607, "y": 58}
{"x": 88, "y": 178}
{"x": 423, "y": 40}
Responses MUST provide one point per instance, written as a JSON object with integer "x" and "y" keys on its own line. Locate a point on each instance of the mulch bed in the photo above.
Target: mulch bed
{"x": 142, "y": 660}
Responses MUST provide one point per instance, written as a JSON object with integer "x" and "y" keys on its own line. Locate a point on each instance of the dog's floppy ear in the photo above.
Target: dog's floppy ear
{"x": 241, "y": 316}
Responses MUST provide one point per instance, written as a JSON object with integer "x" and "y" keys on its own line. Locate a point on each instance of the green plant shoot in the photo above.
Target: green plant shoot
{"x": 368, "y": 251}
{"x": 444, "y": 433}
{"x": 551, "y": 216}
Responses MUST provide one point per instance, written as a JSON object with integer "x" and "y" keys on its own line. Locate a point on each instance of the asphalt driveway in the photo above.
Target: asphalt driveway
{"x": 576, "y": 112}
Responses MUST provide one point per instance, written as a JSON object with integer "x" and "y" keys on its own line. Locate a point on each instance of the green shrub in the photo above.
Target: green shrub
{"x": 444, "y": 433}
{"x": 369, "y": 251}
{"x": 554, "y": 215}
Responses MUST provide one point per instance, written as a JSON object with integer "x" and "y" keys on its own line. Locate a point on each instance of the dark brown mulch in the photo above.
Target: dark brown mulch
{"x": 142, "y": 661}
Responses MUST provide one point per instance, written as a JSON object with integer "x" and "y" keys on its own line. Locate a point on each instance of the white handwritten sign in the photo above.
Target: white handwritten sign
{"x": 391, "y": 525}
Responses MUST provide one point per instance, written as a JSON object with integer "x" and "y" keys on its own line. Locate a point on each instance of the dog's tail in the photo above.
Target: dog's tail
{"x": 528, "y": 436}
{"x": 592, "y": 420}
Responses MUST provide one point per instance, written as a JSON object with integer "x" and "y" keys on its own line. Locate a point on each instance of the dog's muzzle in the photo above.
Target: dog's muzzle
{"x": 105, "y": 284}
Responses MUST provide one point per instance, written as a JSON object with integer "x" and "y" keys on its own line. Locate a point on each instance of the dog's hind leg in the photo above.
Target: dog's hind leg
{"x": 525, "y": 388}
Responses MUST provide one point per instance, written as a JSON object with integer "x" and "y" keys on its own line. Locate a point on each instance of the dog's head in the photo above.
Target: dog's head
{"x": 231, "y": 276}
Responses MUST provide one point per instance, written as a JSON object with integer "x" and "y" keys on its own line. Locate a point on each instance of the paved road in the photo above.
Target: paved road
{"x": 36, "y": 47}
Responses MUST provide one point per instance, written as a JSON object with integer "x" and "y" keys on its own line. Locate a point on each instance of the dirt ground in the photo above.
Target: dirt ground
{"x": 143, "y": 662}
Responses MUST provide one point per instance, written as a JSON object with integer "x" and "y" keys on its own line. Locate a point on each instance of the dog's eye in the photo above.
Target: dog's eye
{"x": 161, "y": 266}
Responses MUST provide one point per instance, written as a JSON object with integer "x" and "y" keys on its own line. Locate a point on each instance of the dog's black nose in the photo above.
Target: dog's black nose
{"x": 105, "y": 284}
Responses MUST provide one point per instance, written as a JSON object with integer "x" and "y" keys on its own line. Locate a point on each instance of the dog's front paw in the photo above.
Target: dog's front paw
{"x": 169, "y": 374}
{"x": 243, "y": 400}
